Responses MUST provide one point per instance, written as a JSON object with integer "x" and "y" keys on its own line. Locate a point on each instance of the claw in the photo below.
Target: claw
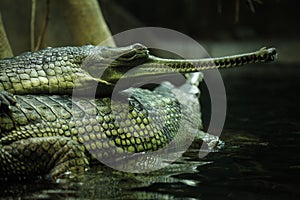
{"x": 7, "y": 100}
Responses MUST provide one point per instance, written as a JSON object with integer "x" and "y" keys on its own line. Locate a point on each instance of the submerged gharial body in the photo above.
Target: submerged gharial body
{"x": 44, "y": 130}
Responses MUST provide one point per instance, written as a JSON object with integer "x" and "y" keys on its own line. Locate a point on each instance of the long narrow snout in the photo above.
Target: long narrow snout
{"x": 155, "y": 65}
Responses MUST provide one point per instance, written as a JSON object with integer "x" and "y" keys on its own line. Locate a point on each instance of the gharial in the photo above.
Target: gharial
{"x": 44, "y": 130}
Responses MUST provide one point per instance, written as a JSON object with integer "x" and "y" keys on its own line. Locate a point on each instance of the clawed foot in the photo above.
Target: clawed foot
{"x": 211, "y": 142}
{"x": 6, "y": 100}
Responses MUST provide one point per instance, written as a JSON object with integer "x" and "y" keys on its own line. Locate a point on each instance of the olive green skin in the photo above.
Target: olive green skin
{"x": 51, "y": 134}
{"x": 59, "y": 70}
{"x": 42, "y": 133}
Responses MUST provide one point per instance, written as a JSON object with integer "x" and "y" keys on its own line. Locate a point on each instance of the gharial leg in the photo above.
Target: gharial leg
{"x": 32, "y": 157}
{"x": 6, "y": 100}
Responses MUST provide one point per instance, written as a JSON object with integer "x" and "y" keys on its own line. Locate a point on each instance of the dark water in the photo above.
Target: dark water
{"x": 260, "y": 159}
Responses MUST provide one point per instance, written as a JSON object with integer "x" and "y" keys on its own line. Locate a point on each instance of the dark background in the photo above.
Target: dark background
{"x": 215, "y": 20}
{"x": 274, "y": 22}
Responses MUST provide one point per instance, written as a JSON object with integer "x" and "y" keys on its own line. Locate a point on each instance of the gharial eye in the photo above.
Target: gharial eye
{"x": 130, "y": 54}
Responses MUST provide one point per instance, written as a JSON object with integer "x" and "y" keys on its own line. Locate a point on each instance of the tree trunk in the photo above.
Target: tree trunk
{"x": 86, "y": 22}
{"x": 5, "y": 49}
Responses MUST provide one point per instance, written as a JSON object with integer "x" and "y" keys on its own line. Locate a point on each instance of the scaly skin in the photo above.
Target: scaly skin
{"x": 45, "y": 135}
{"x": 59, "y": 70}
{"x": 55, "y": 134}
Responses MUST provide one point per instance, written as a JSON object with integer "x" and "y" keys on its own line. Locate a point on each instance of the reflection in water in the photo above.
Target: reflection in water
{"x": 260, "y": 159}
